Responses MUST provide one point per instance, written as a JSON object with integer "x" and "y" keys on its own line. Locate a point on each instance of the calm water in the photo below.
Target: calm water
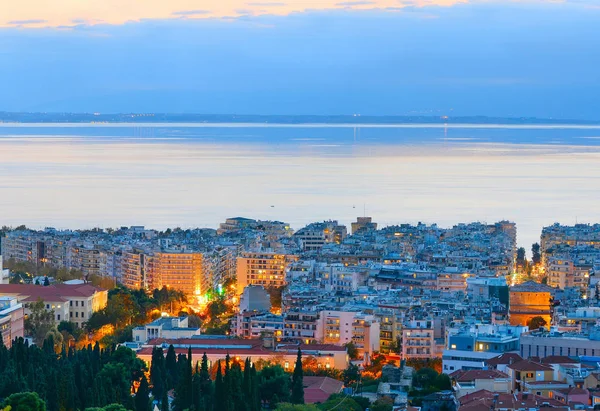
{"x": 186, "y": 175}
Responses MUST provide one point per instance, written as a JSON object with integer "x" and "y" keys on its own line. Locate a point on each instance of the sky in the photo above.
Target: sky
{"x": 372, "y": 57}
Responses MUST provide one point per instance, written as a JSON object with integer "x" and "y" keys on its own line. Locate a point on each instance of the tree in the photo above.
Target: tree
{"x": 351, "y": 375}
{"x": 25, "y": 401}
{"x": 39, "y": 322}
{"x": 352, "y": 350}
{"x": 158, "y": 373}
{"x": 274, "y": 385}
{"x": 536, "y": 322}
{"x": 297, "y": 381}
{"x": 382, "y": 404}
{"x": 220, "y": 394}
{"x": 142, "y": 396}
{"x": 535, "y": 254}
{"x": 171, "y": 367}
{"x": 425, "y": 378}
{"x": 340, "y": 402}
{"x": 521, "y": 256}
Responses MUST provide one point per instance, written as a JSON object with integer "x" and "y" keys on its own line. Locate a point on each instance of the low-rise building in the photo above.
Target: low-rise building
{"x": 541, "y": 343}
{"x": 525, "y": 371}
{"x": 11, "y": 320}
{"x": 75, "y": 303}
{"x": 164, "y": 327}
{"x": 469, "y": 381}
{"x": 326, "y": 356}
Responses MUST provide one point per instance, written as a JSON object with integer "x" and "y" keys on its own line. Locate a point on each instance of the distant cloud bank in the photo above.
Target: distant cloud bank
{"x": 42, "y": 13}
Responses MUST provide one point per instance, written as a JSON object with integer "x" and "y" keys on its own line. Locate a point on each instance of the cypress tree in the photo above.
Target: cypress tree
{"x": 158, "y": 372}
{"x": 297, "y": 381}
{"x": 255, "y": 401}
{"x": 171, "y": 367}
{"x": 206, "y": 384}
{"x": 220, "y": 393}
{"x": 142, "y": 400}
{"x": 164, "y": 402}
{"x": 183, "y": 390}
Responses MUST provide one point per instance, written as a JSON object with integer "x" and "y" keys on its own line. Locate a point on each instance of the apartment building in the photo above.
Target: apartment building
{"x": 418, "y": 340}
{"x": 301, "y": 326}
{"x": 254, "y": 324}
{"x": 342, "y": 327}
{"x": 452, "y": 281}
{"x": 134, "y": 270}
{"x": 266, "y": 269}
{"x": 314, "y": 236}
{"x": 180, "y": 270}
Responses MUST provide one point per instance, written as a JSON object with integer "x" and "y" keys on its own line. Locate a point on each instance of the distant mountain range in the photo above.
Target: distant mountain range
{"x": 9, "y": 117}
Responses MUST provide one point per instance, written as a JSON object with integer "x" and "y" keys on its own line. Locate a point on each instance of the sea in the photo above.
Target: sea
{"x": 199, "y": 174}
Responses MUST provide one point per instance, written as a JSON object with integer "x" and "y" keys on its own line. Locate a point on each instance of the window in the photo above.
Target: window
{"x": 82, "y": 315}
{"x": 77, "y": 314}
{"x": 58, "y": 317}
{"x": 47, "y": 306}
{"x": 529, "y": 375}
{"x": 71, "y": 303}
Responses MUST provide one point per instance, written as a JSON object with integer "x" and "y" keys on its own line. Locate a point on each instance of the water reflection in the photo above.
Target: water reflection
{"x": 82, "y": 177}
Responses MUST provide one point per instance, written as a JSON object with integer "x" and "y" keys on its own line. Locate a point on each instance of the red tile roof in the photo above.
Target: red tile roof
{"x": 528, "y": 365}
{"x": 504, "y": 359}
{"x": 478, "y": 399}
{"x": 54, "y": 292}
{"x": 472, "y": 375}
{"x": 558, "y": 359}
{"x": 319, "y": 389}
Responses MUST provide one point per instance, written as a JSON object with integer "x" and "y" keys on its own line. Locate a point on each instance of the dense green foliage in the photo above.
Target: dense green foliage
{"x": 24, "y": 401}
{"x": 341, "y": 402}
{"x": 235, "y": 387}
{"x": 70, "y": 380}
{"x": 427, "y": 381}
{"x": 114, "y": 379}
{"x": 127, "y": 308}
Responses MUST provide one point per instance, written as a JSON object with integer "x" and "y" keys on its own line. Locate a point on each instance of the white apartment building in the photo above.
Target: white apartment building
{"x": 341, "y": 327}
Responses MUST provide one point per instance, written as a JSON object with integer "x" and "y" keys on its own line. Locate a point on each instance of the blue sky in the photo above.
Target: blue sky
{"x": 505, "y": 58}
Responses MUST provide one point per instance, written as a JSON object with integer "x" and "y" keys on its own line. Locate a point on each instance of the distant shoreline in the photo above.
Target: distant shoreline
{"x": 220, "y": 120}
{"x": 548, "y": 126}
